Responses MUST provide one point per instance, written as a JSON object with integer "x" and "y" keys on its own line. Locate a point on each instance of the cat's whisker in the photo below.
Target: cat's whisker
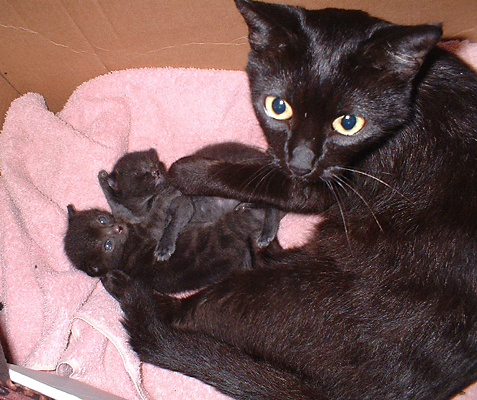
{"x": 262, "y": 176}
{"x": 338, "y": 202}
{"x": 377, "y": 180}
{"x": 343, "y": 182}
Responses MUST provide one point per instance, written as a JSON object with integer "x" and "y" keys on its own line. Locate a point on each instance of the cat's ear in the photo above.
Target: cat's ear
{"x": 403, "y": 49}
{"x": 71, "y": 210}
{"x": 271, "y": 26}
{"x": 112, "y": 180}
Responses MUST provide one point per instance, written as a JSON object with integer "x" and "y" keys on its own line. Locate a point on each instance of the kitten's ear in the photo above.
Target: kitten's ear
{"x": 152, "y": 152}
{"x": 71, "y": 210}
{"x": 113, "y": 180}
{"x": 271, "y": 26}
{"x": 403, "y": 49}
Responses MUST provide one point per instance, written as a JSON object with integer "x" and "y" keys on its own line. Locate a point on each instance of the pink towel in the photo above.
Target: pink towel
{"x": 58, "y": 319}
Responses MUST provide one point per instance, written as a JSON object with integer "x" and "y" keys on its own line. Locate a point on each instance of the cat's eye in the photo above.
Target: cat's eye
{"x": 108, "y": 246}
{"x": 348, "y": 124}
{"x": 102, "y": 220}
{"x": 277, "y": 108}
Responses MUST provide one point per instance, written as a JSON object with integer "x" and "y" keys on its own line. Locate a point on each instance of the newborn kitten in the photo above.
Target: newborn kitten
{"x": 137, "y": 190}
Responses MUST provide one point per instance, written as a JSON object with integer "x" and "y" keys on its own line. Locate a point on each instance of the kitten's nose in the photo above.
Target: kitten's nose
{"x": 302, "y": 160}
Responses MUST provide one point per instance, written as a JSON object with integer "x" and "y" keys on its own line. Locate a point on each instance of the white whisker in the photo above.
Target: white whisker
{"x": 333, "y": 191}
{"x": 376, "y": 179}
{"x": 339, "y": 179}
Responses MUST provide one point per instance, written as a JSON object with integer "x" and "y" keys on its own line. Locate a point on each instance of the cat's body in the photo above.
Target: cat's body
{"x": 374, "y": 126}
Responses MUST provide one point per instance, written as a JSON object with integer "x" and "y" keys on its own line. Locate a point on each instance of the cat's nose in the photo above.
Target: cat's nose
{"x": 302, "y": 160}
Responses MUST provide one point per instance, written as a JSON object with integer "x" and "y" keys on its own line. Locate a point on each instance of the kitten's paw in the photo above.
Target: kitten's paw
{"x": 102, "y": 176}
{"x": 264, "y": 239}
{"x": 163, "y": 253}
{"x": 117, "y": 284}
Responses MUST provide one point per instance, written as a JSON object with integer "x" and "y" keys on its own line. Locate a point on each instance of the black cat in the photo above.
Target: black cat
{"x": 373, "y": 125}
{"x": 150, "y": 218}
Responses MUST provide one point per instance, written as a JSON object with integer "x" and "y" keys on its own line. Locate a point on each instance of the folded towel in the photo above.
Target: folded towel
{"x": 56, "y": 318}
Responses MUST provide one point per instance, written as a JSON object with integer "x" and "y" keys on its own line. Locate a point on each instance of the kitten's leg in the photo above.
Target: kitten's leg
{"x": 178, "y": 216}
{"x": 148, "y": 318}
{"x": 118, "y": 210}
{"x": 270, "y": 227}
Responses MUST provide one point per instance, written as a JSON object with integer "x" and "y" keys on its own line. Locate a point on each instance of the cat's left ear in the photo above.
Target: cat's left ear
{"x": 71, "y": 210}
{"x": 403, "y": 49}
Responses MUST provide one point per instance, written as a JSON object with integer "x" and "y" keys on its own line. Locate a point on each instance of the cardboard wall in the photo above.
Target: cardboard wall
{"x": 52, "y": 46}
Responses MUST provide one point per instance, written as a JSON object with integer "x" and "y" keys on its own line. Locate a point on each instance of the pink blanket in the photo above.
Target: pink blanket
{"x": 58, "y": 319}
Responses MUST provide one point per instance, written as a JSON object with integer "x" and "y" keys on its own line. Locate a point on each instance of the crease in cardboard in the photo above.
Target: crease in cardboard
{"x": 234, "y": 42}
{"x": 91, "y": 46}
{"x": 20, "y": 28}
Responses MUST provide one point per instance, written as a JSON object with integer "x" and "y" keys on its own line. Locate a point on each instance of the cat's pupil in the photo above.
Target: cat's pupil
{"x": 348, "y": 122}
{"x": 108, "y": 245}
{"x": 279, "y": 106}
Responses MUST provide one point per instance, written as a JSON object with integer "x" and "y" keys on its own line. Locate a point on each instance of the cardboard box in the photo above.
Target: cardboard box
{"x": 52, "y": 46}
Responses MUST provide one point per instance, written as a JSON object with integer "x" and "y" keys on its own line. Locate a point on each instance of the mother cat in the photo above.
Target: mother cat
{"x": 373, "y": 125}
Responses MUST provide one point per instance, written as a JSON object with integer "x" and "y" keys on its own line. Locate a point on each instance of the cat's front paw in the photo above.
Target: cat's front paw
{"x": 164, "y": 252}
{"x": 103, "y": 176}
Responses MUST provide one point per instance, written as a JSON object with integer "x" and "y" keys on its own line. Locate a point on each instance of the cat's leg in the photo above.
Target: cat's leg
{"x": 118, "y": 210}
{"x": 261, "y": 183}
{"x": 148, "y": 317}
{"x": 270, "y": 226}
{"x": 179, "y": 214}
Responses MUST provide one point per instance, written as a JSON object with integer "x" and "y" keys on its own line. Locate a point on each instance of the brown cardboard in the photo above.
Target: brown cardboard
{"x": 52, "y": 46}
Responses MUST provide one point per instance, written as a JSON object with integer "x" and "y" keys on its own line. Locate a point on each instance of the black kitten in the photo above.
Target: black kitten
{"x": 96, "y": 242}
{"x": 138, "y": 192}
{"x": 150, "y": 218}
{"x": 374, "y": 126}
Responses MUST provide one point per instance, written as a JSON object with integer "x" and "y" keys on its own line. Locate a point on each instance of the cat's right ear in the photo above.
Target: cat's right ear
{"x": 271, "y": 26}
{"x": 71, "y": 210}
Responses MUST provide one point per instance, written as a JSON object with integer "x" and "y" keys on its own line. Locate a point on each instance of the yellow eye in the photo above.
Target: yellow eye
{"x": 348, "y": 124}
{"x": 277, "y": 108}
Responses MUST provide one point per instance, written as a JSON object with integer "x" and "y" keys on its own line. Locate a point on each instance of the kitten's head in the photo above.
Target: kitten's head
{"x": 329, "y": 85}
{"x": 137, "y": 174}
{"x": 94, "y": 241}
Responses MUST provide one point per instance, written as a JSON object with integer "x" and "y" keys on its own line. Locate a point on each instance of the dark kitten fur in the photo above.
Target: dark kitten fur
{"x": 374, "y": 126}
{"x": 150, "y": 218}
{"x": 137, "y": 190}
{"x": 96, "y": 242}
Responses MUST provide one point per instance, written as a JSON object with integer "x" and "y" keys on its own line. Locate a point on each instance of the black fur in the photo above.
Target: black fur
{"x": 150, "y": 218}
{"x": 382, "y": 302}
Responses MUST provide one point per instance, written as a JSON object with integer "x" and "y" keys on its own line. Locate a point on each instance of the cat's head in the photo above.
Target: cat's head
{"x": 137, "y": 174}
{"x": 329, "y": 85}
{"x": 94, "y": 240}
